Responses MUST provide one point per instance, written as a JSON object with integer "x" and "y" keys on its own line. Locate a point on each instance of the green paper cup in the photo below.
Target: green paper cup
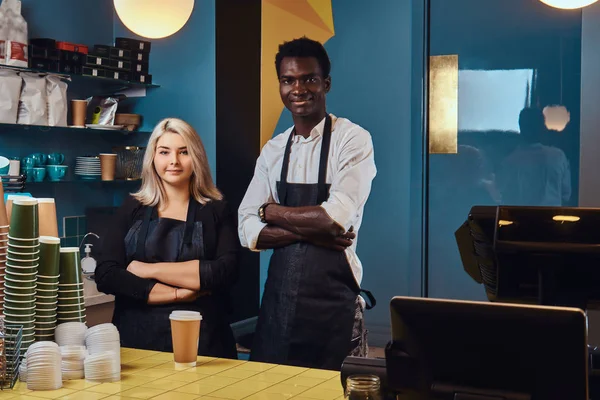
{"x": 49, "y": 256}
{"x": 32, "y": 269}
{"x": 70, "y": 300}
{"x": 20, "y": 281}
{"x": 18, "y": 262}
{"x": 62, "y": 319}
{"x": 62, "y": 308}
{"x": 23, "y": 241}
{"x": 27, "y": 300}
{"x": 45, "y": 319}
{"x": 70, "y": 266}
{"x": 24, "y": 221}
{"x": 18, "y": 310}
{"x": 49, "y": 313}
{"x": 65, "y": 295}
{"x": 23, "y": 257}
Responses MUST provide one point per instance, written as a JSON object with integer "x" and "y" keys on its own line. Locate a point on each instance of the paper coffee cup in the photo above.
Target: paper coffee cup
{"x": 185, "y": 334}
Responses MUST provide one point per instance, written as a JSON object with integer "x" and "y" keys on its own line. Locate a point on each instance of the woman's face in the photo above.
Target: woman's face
{"x": 172, "y": 162}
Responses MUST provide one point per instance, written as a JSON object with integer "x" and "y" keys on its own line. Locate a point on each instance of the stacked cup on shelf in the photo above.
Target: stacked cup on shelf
{"x": 47, "y": 288}
{"x": 21, "y": 268}
{"x": 71, "y": 302}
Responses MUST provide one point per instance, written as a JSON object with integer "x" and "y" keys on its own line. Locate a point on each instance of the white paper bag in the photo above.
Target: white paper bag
{"x": 56, "y": 91}
{"x": 16, "y": 44}
{"x": 33, "y": 107}
{"x": 10, "y": 92}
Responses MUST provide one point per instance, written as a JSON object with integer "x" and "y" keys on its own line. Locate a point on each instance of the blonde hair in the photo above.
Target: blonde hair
{"x": 202, "y": 188}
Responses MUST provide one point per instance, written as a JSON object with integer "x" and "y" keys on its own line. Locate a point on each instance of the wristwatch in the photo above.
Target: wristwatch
{"x": 261, "y": 213}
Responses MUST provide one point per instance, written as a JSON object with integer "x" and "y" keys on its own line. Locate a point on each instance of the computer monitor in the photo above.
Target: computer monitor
{"x": 448, "y": 349}
{"x": 537, "y": 255}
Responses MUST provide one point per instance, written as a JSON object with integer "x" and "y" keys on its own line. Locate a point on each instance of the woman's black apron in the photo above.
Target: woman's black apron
{"x": 309, "y": 302}
{"x": 146, "y": 326}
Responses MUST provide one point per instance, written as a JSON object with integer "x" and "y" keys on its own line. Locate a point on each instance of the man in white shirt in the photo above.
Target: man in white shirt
{"x": 306, "y": 202}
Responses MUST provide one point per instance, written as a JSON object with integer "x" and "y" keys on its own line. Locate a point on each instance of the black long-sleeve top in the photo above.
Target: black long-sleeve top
{"x": 218, "y": 271}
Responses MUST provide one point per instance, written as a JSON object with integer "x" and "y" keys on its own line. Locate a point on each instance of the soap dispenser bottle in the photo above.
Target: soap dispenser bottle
{"x": 88, "y": 263}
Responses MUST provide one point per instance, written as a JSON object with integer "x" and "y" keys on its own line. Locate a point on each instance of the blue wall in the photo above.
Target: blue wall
{"x": 371, "y": 86}
{"x": 184, "y": 66}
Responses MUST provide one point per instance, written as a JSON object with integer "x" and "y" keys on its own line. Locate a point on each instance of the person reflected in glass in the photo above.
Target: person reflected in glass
{"x": 535, "y": 174}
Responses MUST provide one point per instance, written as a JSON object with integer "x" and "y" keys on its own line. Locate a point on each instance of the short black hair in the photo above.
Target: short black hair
{"x": 304, "y": 47}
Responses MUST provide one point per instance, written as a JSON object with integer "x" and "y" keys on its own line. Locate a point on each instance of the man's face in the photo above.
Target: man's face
{"x": 302, "y": 86}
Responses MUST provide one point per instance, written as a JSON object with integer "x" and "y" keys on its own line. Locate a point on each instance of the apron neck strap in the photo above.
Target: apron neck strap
{"x": 152, "y": 212}
{"x": 322, "y": 186}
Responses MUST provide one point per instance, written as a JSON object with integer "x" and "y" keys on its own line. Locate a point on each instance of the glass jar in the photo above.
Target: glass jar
{"x": 363, "y": 387}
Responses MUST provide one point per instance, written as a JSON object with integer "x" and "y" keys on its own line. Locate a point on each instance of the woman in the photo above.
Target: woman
{"x": 173, "y": 246}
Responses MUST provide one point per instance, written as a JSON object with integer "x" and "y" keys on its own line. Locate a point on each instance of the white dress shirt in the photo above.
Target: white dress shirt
{"x": 350, "y": 171}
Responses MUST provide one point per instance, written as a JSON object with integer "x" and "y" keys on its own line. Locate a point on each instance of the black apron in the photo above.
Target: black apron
{"x": 144, "y": 326}
{"x": 309, "y": 302}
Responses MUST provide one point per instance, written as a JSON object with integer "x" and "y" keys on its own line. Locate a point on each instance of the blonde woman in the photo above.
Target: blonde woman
{"x": 173, "y": 245}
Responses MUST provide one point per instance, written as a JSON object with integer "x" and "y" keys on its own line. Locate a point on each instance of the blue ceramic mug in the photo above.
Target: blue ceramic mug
{"x": 56, "y": 173}
{"x": 56, "y": 158}
{"x": 27, "y": 163}
{"x": 39, "y": 174}
{"x": 40, "y": 159}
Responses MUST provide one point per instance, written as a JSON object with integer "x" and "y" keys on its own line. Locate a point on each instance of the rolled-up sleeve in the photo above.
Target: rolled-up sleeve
{"x": 111, "y": 274}
{"x": 222, "y": 272}
{"x": 352, "y": 181}
{"x": 258, "y": 193}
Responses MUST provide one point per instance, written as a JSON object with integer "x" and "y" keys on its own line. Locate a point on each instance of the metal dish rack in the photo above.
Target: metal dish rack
{"x": 13, "y": 184}
{"x": 13, "y": 335}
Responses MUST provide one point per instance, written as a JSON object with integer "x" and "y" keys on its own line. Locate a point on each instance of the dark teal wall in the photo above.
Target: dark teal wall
{"x": 184, "y": 66}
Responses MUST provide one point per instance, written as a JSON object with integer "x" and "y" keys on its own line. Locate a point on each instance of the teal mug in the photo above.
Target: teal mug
{"x": 56, "y": 173}
{"x": 39, "y": 174}
{"x": 40, "y": 159}
{"x": 56, "y": 158}
{"x": 27, "y": 162}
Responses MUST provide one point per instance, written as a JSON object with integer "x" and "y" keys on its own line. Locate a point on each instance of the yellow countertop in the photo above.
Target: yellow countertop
{"x": 152, "y": 375}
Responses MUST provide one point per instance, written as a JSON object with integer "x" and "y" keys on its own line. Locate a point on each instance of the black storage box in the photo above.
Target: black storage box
{"x": 43, "y": 42}
{"x": 141, "y": 78}
{"x": 100, "y": 50}
{"x": 140, "y": 57}
{"x": 94, "y": 71}
{"x": 43, "y": 52}
{"x": 97, "y": 61}
{"x": 120, "y": 65}
{"x": 132, "y": 44}
{"x": 140, "y": 68}
{"x": 120, "y": 75}
{"x": 72, "y": 57}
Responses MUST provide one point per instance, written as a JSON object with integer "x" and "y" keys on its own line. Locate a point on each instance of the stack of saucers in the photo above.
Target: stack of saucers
{"x": 70, "y": 334}
{"x": 71, "y": 302}
{"x": 44, "y": 366}
{"x": 104, "y": 337}
{"x": 3, "y": 251}
{"x": 88, "y": 168}
{"x": 102, "y": 367}
{"x": 72, "y": 362}
{"x": 21, "y": 268}
{"x": 47, "y": 288}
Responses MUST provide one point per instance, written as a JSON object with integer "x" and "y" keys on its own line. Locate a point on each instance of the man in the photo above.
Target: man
{"x": 306, "y": 202}
{"x": 535, "y": 174}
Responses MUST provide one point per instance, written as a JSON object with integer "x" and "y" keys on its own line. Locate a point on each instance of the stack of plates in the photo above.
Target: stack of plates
{"x": 88, "y": 168}
{"x": 72, "y": 362}
{"x": 44, "y": 366}
{"x": 70, "y": 334}
{"x": 102, "y": 338}
{"x": 23, "y": 370}
{"x": 102, "y": 367}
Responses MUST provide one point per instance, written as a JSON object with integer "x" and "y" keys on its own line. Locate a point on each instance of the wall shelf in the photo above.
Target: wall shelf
{"x": 11, "y": 128}
{"x": 117, "y": 84}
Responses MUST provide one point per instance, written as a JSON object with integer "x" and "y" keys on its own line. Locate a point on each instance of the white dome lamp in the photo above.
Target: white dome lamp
{"x": 154, "y": 19}
{"x": 568, "y": 4}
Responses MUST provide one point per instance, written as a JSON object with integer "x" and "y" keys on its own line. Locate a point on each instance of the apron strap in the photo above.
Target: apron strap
{"x": 282, "y": 189}
{"x": 323, "y": 192}
{"x": 140, "y": 251}
{"x": 372, "y": 301}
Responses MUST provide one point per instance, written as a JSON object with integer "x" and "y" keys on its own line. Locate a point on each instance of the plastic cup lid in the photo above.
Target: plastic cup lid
{"x": 185, "y": 316}
{"x": 49, "y": 240}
